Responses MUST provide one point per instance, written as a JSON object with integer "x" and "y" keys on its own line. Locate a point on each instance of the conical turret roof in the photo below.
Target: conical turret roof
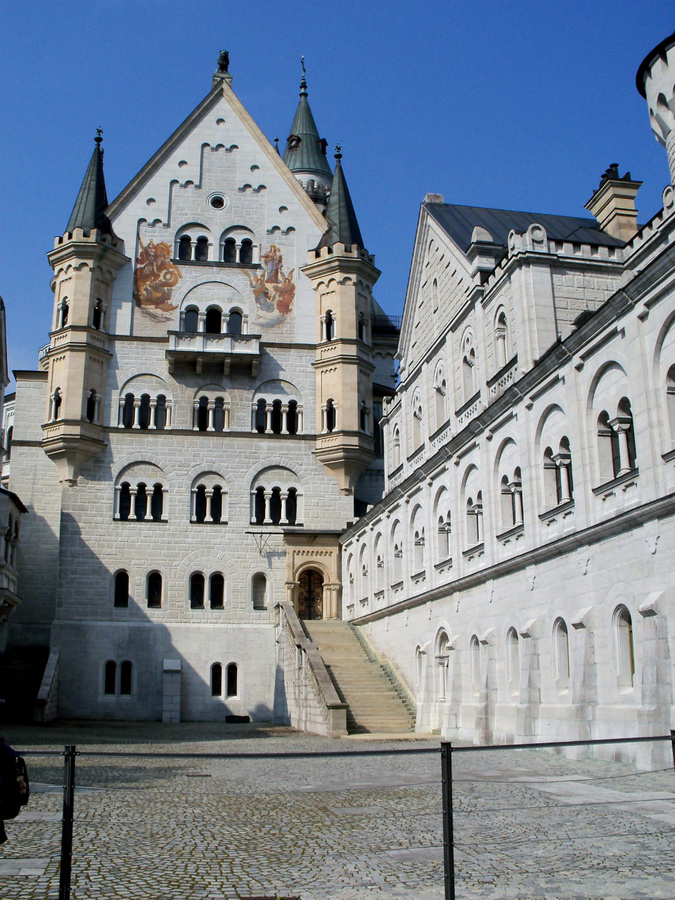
{"x": 92, "y": 199}
{"x": 305, "y": 151}
{"x": 343, "y": 226}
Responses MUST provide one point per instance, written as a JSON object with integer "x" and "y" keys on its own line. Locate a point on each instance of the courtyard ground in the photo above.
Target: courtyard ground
{"x": 528, "y": 824}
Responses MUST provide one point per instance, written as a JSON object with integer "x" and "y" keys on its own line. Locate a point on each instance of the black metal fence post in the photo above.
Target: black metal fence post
{"x": 448, "y": 836}
{"x": 70, "y": 752}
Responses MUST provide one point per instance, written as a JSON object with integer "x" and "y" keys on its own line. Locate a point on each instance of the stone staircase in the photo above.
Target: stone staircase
{"x": 374, "y": 704}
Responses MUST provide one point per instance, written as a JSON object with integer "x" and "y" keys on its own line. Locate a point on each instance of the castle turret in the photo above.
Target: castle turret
{"x": 305, "y": 153}
{"x": 343, "y": 274}
{"x": 655, "y": 80}
{"x": 85, "y": 262}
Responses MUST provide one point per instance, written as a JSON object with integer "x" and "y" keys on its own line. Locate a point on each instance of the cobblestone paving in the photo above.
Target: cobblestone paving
{"x": 527, "y": 824}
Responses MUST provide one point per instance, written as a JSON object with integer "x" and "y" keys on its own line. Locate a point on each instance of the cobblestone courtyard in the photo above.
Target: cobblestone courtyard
{"x": 527, "y": 824}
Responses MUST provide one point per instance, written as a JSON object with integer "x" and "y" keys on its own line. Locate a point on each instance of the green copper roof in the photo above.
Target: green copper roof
{"x": 305, "y": 151}
{"x": 92, "y": 200}
{"x": 342, "y": 224}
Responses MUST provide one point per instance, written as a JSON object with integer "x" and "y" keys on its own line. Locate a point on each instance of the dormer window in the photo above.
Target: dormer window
{"x": 294, "y": 142}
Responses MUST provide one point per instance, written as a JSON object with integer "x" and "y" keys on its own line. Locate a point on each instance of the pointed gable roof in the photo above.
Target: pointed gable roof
{"x": 343, "y": 226}
{"x": 90, "y": 207}
{"x": 305, "y": 151}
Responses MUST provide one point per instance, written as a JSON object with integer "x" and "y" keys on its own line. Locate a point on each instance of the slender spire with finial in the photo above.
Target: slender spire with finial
{"x": 305, "y": 152}
{"x": 343, "y": 226}
{"x": 92, "y": 199}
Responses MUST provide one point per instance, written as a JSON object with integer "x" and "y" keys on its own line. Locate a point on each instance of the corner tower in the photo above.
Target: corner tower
{"x": 85, "y": 262}
{"x": 305, "y": 153}
{"x": 343, "y": 274}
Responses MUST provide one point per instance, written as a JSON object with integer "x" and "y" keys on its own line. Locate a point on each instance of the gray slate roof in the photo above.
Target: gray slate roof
{"x": 342, "y": 223}
{"x": 92, "y": 199}
{"x": 459, "y": 221}
{"x": 310, "y": 153}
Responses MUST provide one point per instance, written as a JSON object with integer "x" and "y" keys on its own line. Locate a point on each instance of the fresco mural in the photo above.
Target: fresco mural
{"x": 273, "y": 289}
{"x": 154, "y": 280}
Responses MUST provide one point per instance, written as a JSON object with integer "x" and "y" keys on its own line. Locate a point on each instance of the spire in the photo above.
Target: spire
{"x": 342, "y": 224}
{"x": 305, "y": 152}
{"x": 92, "y": 200}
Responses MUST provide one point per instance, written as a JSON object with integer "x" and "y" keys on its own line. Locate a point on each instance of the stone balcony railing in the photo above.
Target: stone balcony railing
{"x": 222, "y": 350}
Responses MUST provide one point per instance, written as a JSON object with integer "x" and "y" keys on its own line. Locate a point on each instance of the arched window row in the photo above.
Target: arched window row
{"x": 145, "y": 412}
{"x": 140, "y": 502}
{"x": 230, "y": 682}
{"x": 213, "y": 320}
{"x": 198, "y": 590}
{"x": 276, "y": 505}
{"x": 209, "y": 503}
{"x": 510, "y": 659}
{"x": 231, "y": 249}
{"x": 276, "y": 416}
{"x": 118, "y": 678}
{"x": 211, "y": 413}
{"x": 122, "y": 589}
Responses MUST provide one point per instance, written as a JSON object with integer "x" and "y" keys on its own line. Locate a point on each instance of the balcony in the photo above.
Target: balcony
{"x": 222, "y": 350}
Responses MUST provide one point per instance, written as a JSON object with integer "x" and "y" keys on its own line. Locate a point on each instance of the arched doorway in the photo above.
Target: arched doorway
{"x": 310, "y": 595}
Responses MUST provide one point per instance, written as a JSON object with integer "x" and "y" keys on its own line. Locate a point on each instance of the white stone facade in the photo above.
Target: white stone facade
{"x": 155, "y": 564}
{"x": 519, "y": 571}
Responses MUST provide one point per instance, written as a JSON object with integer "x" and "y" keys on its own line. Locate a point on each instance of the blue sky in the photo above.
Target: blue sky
{"x": 517, "y": 105}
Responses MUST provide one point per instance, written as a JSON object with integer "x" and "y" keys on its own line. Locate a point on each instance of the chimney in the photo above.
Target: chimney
{"x": 613, "y": 204}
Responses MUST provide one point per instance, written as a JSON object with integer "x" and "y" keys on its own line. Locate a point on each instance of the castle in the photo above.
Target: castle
{"x": 202, "y": 448}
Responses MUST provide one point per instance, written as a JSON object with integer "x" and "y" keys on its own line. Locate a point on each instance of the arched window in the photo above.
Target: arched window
{"x": 196, "y": 591}
{"x": 474, "y": 519}
{"x": 246, "y": 252}
{"x": 8, "y": 442}
{"x": 329, "y": 326}
{"x": 232, "y": 680}
{"x": 57, "y": 399}
{"x": 292, "y": 506}
{"x": 364, "y": 418}
{"x": 331, "y": 416}
{"x": 154, "y": 590}
{"x": 275, "y": 506}
{"x": 670, "y": 398}
{"x": 261, "y": 416}
{"x": 110, "y": 677}
{"x": 627, "y": 451}
{"x": 444, "y": 532}
{"x": 234, "y": 322}
{"x": 440, "y": 395}
{"x": 513, "y": 661}
{"x": 217, "y": 504}
{"x": 202, "y": 249}
{"x": 141, "y": 506}
{"x": 474, "y": 653}
{"x": 200, "y": 504}
{"x": 292, "y": 418}
{"x": 191, "y": 320}
{"x": 92, "y": 406}
{"x": 562, "y": 654}
{"x": 363, "y": 328}
{"x": 160, "y": 413}
{"x": 442, "y": 659}
{"x": 216, "y": 680}
{"x": 501, "y": 340}
{"x": 217, "y": 591}
{"x": 276, "y": 416}
{"x": 125, "y": 678}
{"x": 125, "y": 501}
{"x": 98, "y": 315}
{"x": 434, "y": 294}
{"x": 185, "y": 247}
{"x": 259, "y": 506}
{"x": 121, "y": 595}
{"x": 468, "y": 368}
{"x": 65, "y": 309}
{"x": 396, "y": 448}
{"x": 625, "y": 650}
{"x": 417, "y": 420}
{"x": 128, "y": 411}
{"x": 230, "y": 251}
{"x": 144, "y": 412}
{"x": 213, "y": 323}
{"x": 608, "y": 448}
{"x": 259, "y": 589}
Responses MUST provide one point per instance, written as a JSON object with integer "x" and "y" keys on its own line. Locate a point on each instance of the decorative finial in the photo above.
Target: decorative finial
{"x": 338, "y": 151}
{"x": 224, "y": 62}
{"x": 276, "y": 146}
{"x": 303, "y": 80}
{"x": 302, "y": 63}
{"x": 99, "y": 133}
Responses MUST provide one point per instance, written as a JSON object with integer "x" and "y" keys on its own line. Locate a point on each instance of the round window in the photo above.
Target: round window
{"x": 217, "y": 201}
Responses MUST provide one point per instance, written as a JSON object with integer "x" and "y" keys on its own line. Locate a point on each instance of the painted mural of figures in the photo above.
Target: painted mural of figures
{"x": 155, "y": 277}
{"x": 261, "y": 293}
{"x": 273, "y": 261}
{"x": 285, "y": 293}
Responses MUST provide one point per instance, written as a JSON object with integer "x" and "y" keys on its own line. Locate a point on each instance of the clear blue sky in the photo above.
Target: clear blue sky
{"x": 517, "y": 105}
